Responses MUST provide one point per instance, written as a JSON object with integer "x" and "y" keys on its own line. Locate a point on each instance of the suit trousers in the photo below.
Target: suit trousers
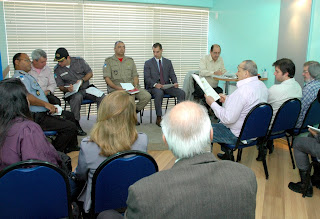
{"x": 158, "y": 97}
{"x": 302, "y": 147}
{"x": 67, "y": 129}
{"x": 76, "y": 99}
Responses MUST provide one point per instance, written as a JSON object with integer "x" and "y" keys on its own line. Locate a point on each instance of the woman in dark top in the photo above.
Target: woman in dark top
{"x": 20, "y": 138}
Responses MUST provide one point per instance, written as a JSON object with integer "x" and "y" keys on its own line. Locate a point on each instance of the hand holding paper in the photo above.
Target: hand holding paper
{"x": 205, "y": 86}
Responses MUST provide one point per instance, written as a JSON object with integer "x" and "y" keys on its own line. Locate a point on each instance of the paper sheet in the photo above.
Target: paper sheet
{"x": 205, "y": 86}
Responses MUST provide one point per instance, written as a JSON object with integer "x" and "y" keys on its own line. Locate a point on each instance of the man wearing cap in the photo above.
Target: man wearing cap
{"x": 122, "y": 69}
{"x": 41, "y": 110}
{"x": 71, "y": 70}
{"x": 44, "y": 75}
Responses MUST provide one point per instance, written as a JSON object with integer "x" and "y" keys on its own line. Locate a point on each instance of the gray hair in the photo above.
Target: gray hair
{"x": 116, "y": 43}
{"x": 251, "y": 67}
{"x": 187, "y": 129}
{"x": 314, "y": 70}
{"x": 37, "y": 54}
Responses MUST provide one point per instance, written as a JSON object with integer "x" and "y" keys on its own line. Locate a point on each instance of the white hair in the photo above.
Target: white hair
{"x": 187, "y": 129}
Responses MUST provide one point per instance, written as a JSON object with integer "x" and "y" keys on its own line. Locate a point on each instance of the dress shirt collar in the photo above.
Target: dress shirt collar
{"x": 247, "y": 80}
{"x": 310, "y": 82}
{"x": 288, "y": 81}
{"x": 158, "y": 59}
{"x": 37, "y": 69}
{"x": 211, "y": 60}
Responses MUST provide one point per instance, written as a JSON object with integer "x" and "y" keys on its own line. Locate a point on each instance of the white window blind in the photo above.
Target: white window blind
{"x": 90, "y": 28}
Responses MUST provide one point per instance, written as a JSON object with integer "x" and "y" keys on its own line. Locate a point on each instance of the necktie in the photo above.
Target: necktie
{"x": 161, "y": 73}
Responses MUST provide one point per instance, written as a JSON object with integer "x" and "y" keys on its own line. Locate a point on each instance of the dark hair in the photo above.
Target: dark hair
{"x": 16, "y": 57}
{"x": 116, "y": 43}
{"x": 285, "y": 65}
{"x": 157, "y": 45}
{"x": 13, "y": 104}
{"x": 214, "y": 46}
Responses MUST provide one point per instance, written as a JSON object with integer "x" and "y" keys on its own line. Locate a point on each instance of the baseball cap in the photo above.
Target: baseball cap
{"x": 61, "y": 54}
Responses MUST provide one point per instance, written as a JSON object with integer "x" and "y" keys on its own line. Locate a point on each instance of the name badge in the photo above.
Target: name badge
{"x": 63, "y": 74}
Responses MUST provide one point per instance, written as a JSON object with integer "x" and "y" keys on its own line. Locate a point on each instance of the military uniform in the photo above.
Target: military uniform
{"x": 124, "y": 72}
{"x": 67, "y": 130}
{"x": 70, "y": 75}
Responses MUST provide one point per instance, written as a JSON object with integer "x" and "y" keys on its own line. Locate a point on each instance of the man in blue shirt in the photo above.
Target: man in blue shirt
{"x": 41, "y": 109}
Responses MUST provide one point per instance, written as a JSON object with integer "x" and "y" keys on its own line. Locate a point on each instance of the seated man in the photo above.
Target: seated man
{"x": 122, "y": 69}
{"x": 311, "y": 76}
{"x": 69, "y": 71}
{"x": 44, "y": 76}
{"x": 66, "y": 140}
{"x": 158, "y": 72}
{"x": 303, "y": 146}
{"x": 198, "y": 185}
{"x": 210, "y": 65}
{"x": 279, "y": 93}
{"x": 249, "y": 93}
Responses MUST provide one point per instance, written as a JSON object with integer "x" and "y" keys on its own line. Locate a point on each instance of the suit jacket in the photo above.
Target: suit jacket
{"x": 198, "y": 187}
{"x": 152, "y": 73}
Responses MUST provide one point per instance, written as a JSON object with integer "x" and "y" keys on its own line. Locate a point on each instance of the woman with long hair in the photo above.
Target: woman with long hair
{"x": 114, "y": 131}
{"x": 20, "y": 138}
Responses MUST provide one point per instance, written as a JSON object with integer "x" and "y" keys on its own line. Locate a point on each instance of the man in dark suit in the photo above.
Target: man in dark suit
{"x": 158, "y": 77}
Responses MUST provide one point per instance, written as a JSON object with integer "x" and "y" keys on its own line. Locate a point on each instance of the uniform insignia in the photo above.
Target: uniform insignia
{"x": 38, "y": 93}
{"x": 20, "y": 77}
{"x": 115, "y": 72}
{"x": 58, "y": 55}
{"x": 64, "y": 73}
{"x": 105, "y": 65}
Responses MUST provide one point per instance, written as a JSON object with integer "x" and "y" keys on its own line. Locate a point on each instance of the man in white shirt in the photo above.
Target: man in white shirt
{"x": 44, "y": 76}
{"x": 250, "y": 92}
{"x": 279, "y": 93}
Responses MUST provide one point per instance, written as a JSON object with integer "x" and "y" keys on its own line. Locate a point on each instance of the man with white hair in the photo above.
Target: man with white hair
{"x": 44, "y": 75}
{"x": 311, "y": 76}
{"x": 250, "y": 92}
{"x": 198, "y": 185}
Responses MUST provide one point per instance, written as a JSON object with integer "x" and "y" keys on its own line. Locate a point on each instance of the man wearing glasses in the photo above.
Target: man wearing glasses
{"x": 250, "y": 92}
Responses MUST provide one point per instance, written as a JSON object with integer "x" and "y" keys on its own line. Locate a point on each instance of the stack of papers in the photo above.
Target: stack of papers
{"x": 129, "y": 88}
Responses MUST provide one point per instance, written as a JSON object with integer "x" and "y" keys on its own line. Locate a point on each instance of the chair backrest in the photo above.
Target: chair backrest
{"x": 50, "y": 133}
{"x": 256, "y": 123}
{"x": 40, "y": 191}
{"x": 113, "y": 177}
{"x": 312, "y": 116}
{"x": 287, "y": 116}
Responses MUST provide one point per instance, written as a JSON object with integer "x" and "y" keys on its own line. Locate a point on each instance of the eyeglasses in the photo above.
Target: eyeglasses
{"x": 305, "y": 71}
{"x": 27, "y": 60}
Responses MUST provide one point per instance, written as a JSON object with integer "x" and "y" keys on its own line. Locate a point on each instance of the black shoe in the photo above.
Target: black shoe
{"x": 70, "y": 149}
{"x": 81, "y": 132}
{"x": 138, "y": 123}
{"x": 299, "y": 188}
{"x": 224, "y": 156}
{"x": 261, "y": 155}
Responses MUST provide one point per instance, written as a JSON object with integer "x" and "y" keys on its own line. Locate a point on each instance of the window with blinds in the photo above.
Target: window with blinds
{"x": 90, "y": 28}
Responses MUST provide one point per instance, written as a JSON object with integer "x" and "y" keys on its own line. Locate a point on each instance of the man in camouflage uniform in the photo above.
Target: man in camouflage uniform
{"x": 122, "y": 69}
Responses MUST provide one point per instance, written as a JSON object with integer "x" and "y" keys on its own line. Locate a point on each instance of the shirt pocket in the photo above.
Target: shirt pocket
{"x": 115, "y": 72}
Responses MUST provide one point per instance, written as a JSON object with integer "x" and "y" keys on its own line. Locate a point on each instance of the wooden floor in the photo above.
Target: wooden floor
{"x": 274, "y": 199}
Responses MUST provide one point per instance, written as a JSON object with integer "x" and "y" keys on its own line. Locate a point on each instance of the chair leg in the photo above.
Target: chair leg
{"x": 290, "y": 150}
{"x": 306, "y": 186}
{"x": 265, "y": 167}
{"x": 167, "y": 104}
{"x": 89, "y": 111}
{"x": 141, "y": 113}
{"x": 151, "y": 111}
{"x": 239, "y": 155}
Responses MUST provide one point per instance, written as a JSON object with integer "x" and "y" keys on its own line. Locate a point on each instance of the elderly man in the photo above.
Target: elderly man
{"x": 198, "y": 185}
{"x": 71, "y": 70}
{"x": 122, "y": 69}
{"x": 280, "y": 93}
{"x": 250, "y": 92}
{"x": 44, "y": 76}
{"x": 41, "y": 109}
{"x": 159, "y": 73}
{"x": 311, "y": 76}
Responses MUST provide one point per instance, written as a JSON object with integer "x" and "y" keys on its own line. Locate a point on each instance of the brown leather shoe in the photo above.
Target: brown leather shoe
{"x": 158, "y": 121}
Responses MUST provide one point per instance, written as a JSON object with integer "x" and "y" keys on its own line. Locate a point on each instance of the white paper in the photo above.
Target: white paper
{"x": 127, "y": 86}
{"x": 166, "y": 86}
{"x": 59, "y": 110}
{"x": 313, "y": 128}
{"x": 76, "y": 87}
{"x": 205, "y": 86}
{"x": 94, "y": 91}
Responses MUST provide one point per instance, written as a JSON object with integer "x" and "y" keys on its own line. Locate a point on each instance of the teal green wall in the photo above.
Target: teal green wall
{"x": 314, "y": 34}
{"x": 247, "y": 29}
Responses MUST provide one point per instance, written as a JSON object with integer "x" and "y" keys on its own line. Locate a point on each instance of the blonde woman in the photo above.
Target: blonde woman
{"x": 114, "y": 131}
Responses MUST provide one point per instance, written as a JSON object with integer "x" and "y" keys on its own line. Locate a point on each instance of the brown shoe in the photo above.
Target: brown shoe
{"x": 158, "y": 121}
